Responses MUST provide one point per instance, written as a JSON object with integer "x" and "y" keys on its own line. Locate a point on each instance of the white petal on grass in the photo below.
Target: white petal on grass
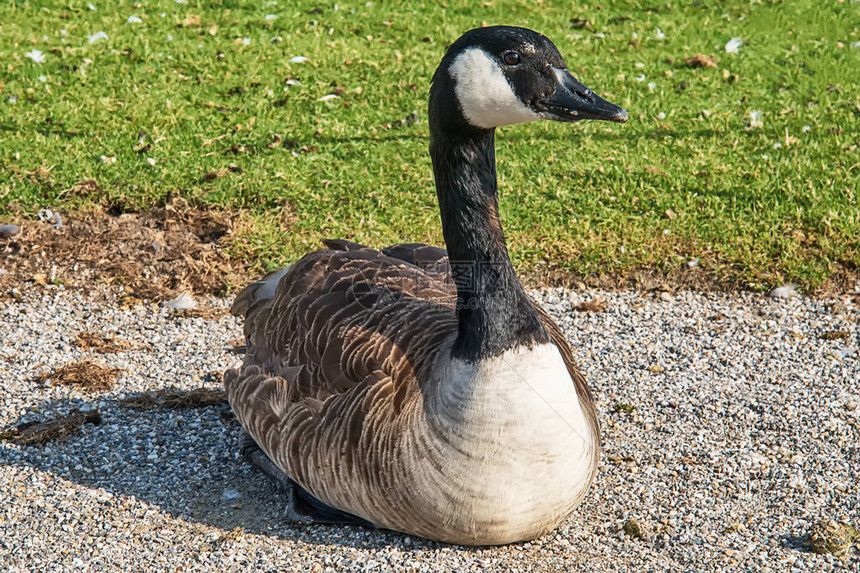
{"x": 91, "y": 7}
{"x": 134, "y": 20}
{"x": 855, "y": 45}
{"x": 659, "y": 35}
{"x": 271, "y": 16}
{"x": 640, "y": 78}
{"x": 639, "y": 65}
{"x": 64, "y": 32}
{"x": 661, "y": 115}
{"x": 182, "y": 1}
{"x": 182, "y": 302}
{"x": 777, "y": 145}
{"x": 756, "y": 118}
{"x": 652, "y": 86}
{"x": 292, "y": 82}
{"x": 246, "y": 41}
{"x": 806, "y": 128}
{"x": 328, "y": 97}
{"x": 733, "y": 45}
{"x": 298, "y": 60}
{"x": 151, "y": 161}
{"x": 96, "y": 37}
{"x": 36, "y": 55}
{"x": 43, "y": 79}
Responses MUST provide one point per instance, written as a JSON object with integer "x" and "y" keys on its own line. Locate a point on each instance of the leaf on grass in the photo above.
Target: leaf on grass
{"x": 190, "y": 21}
{"x": 702, "y": 61}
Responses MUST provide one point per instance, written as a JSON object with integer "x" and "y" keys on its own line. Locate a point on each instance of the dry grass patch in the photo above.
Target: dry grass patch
{"x": 173, "y": 398}
{"x": 86, "y": 375}
{"x": 154, "y": 255}
{"x": 37, "y": 433}
{"x": 100, "y": 343}
{"x": 593, "y": 305}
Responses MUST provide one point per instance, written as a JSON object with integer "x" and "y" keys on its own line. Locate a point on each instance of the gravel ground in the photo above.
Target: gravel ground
{"x": 730, "y": 425}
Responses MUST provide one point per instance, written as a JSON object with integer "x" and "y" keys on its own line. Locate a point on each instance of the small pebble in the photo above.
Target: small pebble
{"x": 8, "y": 230}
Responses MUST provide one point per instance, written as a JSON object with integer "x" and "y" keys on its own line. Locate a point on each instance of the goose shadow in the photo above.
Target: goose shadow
{"x": 187, "y": 464}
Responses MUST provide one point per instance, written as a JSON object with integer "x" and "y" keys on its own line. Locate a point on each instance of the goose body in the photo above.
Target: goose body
{"x": 419, "y": 389}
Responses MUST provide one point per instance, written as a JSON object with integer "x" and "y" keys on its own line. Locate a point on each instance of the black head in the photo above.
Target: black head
{"x": 501, "y": 75}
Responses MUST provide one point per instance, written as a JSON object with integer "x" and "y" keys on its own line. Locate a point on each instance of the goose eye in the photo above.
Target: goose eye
{"x": 511, "y": 58}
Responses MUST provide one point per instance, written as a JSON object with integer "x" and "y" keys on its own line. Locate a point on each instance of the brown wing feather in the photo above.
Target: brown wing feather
{"x": 335, "y": 342}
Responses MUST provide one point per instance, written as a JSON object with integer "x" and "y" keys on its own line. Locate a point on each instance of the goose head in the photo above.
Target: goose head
{"x": 502, "y": 75}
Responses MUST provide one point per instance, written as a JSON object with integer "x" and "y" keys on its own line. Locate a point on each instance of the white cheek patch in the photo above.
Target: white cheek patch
{"x": 485, "y": 96}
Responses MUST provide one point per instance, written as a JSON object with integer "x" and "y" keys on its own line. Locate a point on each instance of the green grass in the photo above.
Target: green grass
{"x": 670, "y": 186}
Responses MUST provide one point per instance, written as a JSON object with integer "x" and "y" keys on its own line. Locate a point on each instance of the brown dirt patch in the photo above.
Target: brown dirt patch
{"x": 177, "y": 248}
{"x": 172, "y": 398}
{"x": 153, "y": 255}
{"x": 37, "y": 433}
{"x": 86, "y": 375}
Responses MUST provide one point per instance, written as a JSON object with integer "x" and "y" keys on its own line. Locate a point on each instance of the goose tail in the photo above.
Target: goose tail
{"x": 260, "y": 291}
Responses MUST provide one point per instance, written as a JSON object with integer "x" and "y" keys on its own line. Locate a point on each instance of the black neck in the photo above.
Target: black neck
{"x": 494, "y": 313}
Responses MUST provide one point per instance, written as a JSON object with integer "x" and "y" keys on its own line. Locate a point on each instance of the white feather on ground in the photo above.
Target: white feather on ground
{"x": 184, "y": 301}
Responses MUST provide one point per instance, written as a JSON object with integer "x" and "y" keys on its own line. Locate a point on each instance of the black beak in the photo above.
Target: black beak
{"x": 572, "y": 101}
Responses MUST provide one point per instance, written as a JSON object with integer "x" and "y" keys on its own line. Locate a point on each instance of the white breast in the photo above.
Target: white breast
{"x": 520, "y": 450}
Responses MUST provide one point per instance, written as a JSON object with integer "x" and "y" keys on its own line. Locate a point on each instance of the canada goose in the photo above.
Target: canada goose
{"x": 420, "y": 390}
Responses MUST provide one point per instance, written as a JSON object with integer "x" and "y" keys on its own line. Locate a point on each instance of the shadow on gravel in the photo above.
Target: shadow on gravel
{"x": 186, "y": 463}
